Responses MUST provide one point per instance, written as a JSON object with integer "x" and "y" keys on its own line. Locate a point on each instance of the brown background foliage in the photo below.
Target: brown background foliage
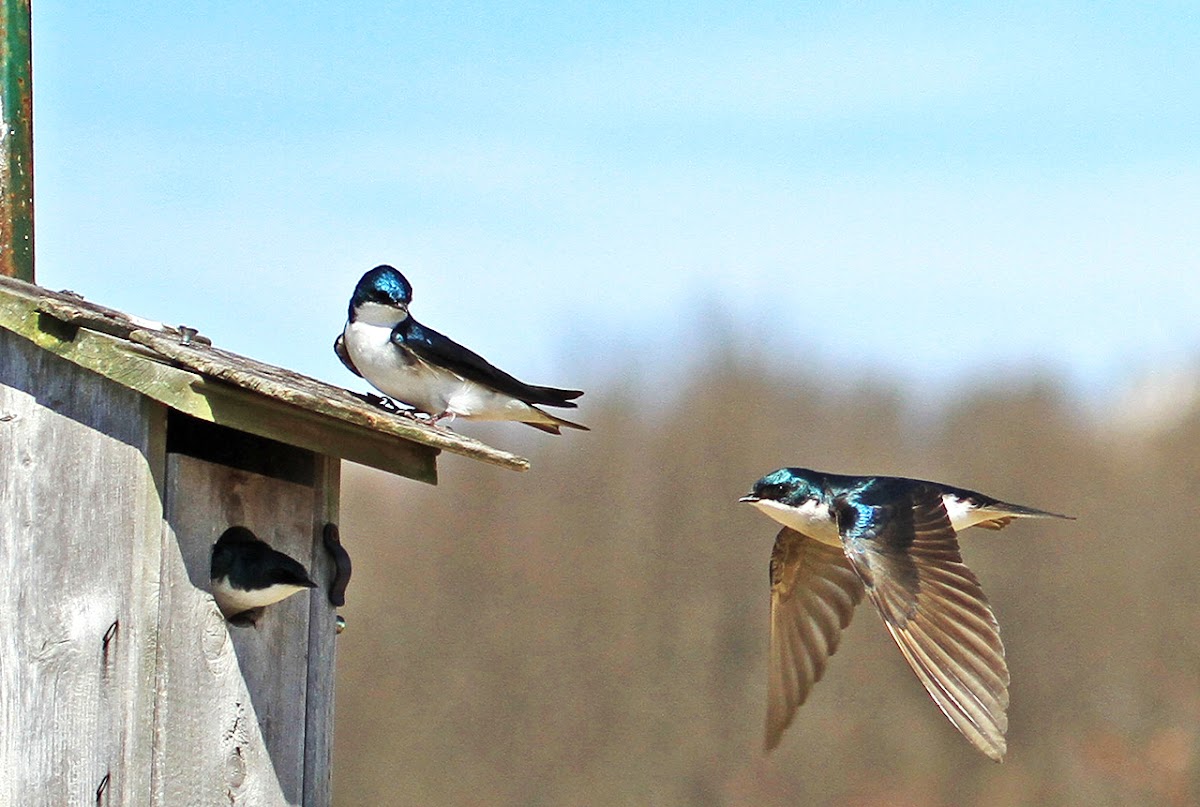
{"x": 594, "y": 632}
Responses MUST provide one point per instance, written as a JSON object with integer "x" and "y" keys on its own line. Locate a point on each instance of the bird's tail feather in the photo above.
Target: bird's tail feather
{"x": 553, "y": 426}
{"x": 1006, "y": 513}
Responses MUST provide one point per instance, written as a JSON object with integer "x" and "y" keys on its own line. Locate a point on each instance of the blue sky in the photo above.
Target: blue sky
{"x": 939, "y": 192}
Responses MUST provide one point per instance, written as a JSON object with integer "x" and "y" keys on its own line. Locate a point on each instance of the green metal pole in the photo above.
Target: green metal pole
{"x": 16, "y": 141}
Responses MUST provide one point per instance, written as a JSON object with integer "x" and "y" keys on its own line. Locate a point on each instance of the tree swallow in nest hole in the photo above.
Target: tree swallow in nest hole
{"x": 248, "y": 575}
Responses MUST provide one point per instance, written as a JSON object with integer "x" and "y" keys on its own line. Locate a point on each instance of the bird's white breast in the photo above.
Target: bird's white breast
{"x": 812, "y": 518}
{"x": 233, "y": 601}
{"x": 394, "y": 372}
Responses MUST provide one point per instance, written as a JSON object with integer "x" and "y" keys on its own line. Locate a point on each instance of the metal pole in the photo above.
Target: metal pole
{"x": 16, "y": 141}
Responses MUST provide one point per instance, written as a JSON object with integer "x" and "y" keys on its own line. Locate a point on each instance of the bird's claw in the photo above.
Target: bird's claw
{"x": 436, "y": 421}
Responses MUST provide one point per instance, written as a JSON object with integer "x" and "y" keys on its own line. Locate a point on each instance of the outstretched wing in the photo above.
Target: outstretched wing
{"x": 442, "y": 351}
{"x": 907, "y": 555}
{"x": 813, "y": 594}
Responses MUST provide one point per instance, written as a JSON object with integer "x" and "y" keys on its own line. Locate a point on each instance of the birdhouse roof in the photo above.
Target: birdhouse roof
{"x": 182, "y": 369}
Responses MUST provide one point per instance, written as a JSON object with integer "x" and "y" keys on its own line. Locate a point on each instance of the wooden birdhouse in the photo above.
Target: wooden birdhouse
{"x": 126, "y": 449}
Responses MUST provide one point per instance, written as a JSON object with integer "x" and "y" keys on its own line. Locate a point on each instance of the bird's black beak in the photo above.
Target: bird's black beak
{"x": 749, "y": 497}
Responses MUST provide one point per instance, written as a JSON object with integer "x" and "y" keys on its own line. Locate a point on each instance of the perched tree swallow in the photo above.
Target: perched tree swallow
{"x": 248, "y": 575}
{"x": 430, "y": 372}
{"x": 895, "y": 540}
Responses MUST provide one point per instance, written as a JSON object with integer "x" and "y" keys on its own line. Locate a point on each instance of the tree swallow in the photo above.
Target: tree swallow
{"x": 430, "y": 372}
{"x": 248, "y": 575}
{"x": 895, "y": 540}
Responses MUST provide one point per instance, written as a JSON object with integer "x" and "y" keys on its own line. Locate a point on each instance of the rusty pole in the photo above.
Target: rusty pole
{"x": 16, "y": 141}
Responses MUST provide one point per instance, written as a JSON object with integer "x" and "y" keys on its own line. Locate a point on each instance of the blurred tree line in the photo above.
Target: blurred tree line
{"x": 594, "y": 632}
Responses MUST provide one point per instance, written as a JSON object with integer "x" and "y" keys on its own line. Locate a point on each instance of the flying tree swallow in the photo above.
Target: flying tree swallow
{"x": 430, "y": 372}
{"x": 894, "y": 540}
{"x": 247, "y": 575}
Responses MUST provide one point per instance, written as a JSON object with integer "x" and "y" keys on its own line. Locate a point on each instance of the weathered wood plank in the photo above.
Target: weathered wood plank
{"x": 196, "y": 395}
{"x": 234, "y": 728}
{"x": 80, "y": 525}
{"x": 322, "y": 632}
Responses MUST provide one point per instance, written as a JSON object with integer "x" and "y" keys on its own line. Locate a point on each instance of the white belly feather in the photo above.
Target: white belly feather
{"x": 233, "y": 601}
{"x": 406, "y": 378}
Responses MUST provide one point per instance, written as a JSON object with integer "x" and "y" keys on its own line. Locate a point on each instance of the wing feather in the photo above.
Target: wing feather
{"x": 339, "y": 347}
{"x": 442, "y": 351}
{"x": 813, "y": 594}
{"x": 932, "y": 604}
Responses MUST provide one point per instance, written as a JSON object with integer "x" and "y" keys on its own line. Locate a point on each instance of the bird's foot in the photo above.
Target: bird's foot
{"x": 436, "y": 420}
{"x": 386, "y": 404}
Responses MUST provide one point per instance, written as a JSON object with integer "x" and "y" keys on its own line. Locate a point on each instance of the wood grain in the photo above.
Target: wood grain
{"x": 322, "y": 632}
{"x": 80, "y": 526}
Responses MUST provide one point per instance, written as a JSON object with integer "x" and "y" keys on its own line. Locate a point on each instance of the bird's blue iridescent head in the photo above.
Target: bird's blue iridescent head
{"x": 790, "y": 486}
{"x": 383, "y": 285}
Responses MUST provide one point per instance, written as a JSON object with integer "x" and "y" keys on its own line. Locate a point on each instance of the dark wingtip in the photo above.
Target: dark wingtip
{"x": 553, "y": 396}
{"x": 296, "y": 574}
